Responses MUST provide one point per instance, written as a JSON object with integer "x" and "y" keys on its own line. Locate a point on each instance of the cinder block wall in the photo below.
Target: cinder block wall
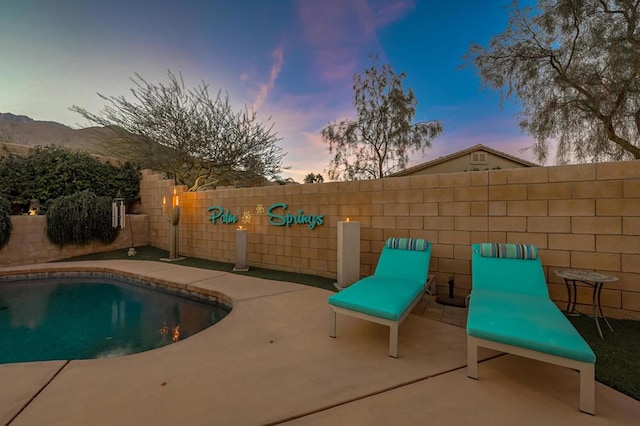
{"x": 580, "y": 216}
{"x": 29, "y": 243}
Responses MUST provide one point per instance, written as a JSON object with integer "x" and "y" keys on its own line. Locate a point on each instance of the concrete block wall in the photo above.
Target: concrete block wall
{"x": 29, "y": 243}
{"x": 153, "y": 188}
{"x": 580, "y": 216}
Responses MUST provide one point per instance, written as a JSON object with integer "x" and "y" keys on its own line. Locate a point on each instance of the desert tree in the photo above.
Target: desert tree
{"x": 313, "y": 178}
{"x": 195, "y": 138}
{"x": 383, "y": 136}
{"x": 574, "y": 66}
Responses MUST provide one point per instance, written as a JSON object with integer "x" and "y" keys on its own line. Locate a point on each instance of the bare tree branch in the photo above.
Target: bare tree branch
{"x": 188, "y": 134}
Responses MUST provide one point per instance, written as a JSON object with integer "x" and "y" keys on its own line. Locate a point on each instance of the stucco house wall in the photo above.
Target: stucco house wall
{"x": 476, "y": 158}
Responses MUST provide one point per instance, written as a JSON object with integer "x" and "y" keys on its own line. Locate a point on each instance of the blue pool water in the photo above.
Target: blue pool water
{"x": 80, "y": 318}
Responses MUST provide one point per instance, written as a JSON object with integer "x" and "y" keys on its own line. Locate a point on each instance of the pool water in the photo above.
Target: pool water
{"x": 82, "y": 318}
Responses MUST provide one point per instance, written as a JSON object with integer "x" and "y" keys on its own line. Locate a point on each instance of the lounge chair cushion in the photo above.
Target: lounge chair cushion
{"x": 509, "y": 251}
{"x": 409, "y": 265}
{"x": 379, "y": 296}
{"x": 407, "y": 243}
{"x": 527, "y": 321}
{"x": 511, "y": 275}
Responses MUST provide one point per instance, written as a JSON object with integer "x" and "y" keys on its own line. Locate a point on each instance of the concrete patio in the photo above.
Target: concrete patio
{"x": 271, "y": 361}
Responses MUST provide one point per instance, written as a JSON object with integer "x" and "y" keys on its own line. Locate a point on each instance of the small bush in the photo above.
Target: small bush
{"x": 5, "y": 221}
{"x": 80, "y": 218}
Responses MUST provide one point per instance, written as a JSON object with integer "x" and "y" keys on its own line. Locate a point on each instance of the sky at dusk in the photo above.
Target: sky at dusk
{"x": 291, "y": 60}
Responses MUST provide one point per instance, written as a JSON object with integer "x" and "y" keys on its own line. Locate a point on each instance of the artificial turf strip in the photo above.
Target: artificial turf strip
{"x": 617, "y": 355}
{"x": 155, "y": 254}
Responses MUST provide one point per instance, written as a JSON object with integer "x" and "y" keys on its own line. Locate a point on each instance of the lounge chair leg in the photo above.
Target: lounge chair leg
{"x": 332, "y": 331}
{"x": 472, "y": 358}
{"x": 393, "y": 341}
{"x": 587, "y": 389}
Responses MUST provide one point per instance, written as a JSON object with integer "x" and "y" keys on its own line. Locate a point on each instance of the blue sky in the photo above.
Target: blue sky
{"x": 292, "y": 60}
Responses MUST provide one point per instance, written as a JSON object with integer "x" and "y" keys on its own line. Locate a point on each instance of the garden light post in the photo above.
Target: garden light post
{"x": 348, "y": 253}
{"x": 172, "y": 214}
{"x": 119, "y": 219}
{"x": 34, "y": 207}
{"x": 241, "y": 250}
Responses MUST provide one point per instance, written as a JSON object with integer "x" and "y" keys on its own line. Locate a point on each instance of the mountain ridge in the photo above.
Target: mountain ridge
{"x": 8, "y": 116}
{"x": 23, "y": 130}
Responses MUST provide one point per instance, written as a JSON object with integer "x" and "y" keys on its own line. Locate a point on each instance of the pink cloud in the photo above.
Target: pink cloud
{"x": 265, "y": 88}
{"x": 311, "y": 156}
{"x": 244, "y": 77}
{"x": 298, "y": 120}
{"x": 387, "y": 12}
{"x": 336, "y": 64}
{"x": 339, "y": 33}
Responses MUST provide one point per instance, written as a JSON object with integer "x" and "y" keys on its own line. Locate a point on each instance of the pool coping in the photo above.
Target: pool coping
{"x": 186, "y": 290}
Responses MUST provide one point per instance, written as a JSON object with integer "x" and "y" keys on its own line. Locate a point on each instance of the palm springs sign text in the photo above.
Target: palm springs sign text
{"x": 278, "y": 216}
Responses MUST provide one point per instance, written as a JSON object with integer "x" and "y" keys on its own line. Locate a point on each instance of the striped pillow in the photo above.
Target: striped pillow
{"x": 509, "y": 251}
{"x": 407, "y": 244}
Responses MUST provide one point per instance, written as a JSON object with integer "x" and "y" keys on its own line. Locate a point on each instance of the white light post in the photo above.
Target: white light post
{"x": 241, "y": 250}
{"x": 348, "y": 253}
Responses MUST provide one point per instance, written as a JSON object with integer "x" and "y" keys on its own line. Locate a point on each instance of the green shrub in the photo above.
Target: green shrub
{"x": 80, "y": 218}
{"x": 5, "y": 221}
{"x": 51, "y": 172}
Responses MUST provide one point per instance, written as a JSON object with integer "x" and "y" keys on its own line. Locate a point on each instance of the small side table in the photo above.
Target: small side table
{"x": 592, "y": 279}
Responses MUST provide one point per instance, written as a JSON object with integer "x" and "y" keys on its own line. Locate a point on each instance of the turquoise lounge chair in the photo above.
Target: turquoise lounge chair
{"x": 389, "y": 295}
{"x": 510, "y": 311}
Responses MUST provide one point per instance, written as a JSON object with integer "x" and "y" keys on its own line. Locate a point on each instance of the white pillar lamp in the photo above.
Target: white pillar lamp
{"x": 241, "y": 250}
{"x": 348, "y": 253}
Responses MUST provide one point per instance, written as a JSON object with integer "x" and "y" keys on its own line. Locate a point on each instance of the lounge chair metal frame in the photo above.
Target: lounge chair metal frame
{"x": 586, "y": 370}
{"x": 393, "y": 325}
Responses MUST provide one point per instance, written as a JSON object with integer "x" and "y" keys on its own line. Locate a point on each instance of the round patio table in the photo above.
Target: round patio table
{"x": 592, "y": 279}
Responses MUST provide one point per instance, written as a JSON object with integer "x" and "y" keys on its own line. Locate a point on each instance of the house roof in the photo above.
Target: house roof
{"x": 474, "y": 148}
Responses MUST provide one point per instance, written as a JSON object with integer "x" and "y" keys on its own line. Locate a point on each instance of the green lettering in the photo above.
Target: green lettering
{"x": 316, "y": 220}
{"x": 216, "y": 213}
{"x": 224, "y": 216}
{"x": 274, "y": 218}
{"x": 278, "y": 218}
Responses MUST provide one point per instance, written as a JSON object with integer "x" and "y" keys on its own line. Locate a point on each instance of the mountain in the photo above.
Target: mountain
{"x": 23, "y": 130}
{"x": 7, "y": 116}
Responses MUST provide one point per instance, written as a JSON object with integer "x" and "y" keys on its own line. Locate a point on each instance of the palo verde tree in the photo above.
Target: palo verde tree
{"x": 574, "y": 66}
{"x": 194, "y": 138}
{"x": 379, "y": 141}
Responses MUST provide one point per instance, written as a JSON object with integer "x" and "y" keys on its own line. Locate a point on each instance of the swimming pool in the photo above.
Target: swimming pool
{"x": 81, "y": 317}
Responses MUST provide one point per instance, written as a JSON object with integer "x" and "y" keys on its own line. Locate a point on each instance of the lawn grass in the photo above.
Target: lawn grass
{"x": 155, "y": 254}
{"x": 617, "y": 355}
